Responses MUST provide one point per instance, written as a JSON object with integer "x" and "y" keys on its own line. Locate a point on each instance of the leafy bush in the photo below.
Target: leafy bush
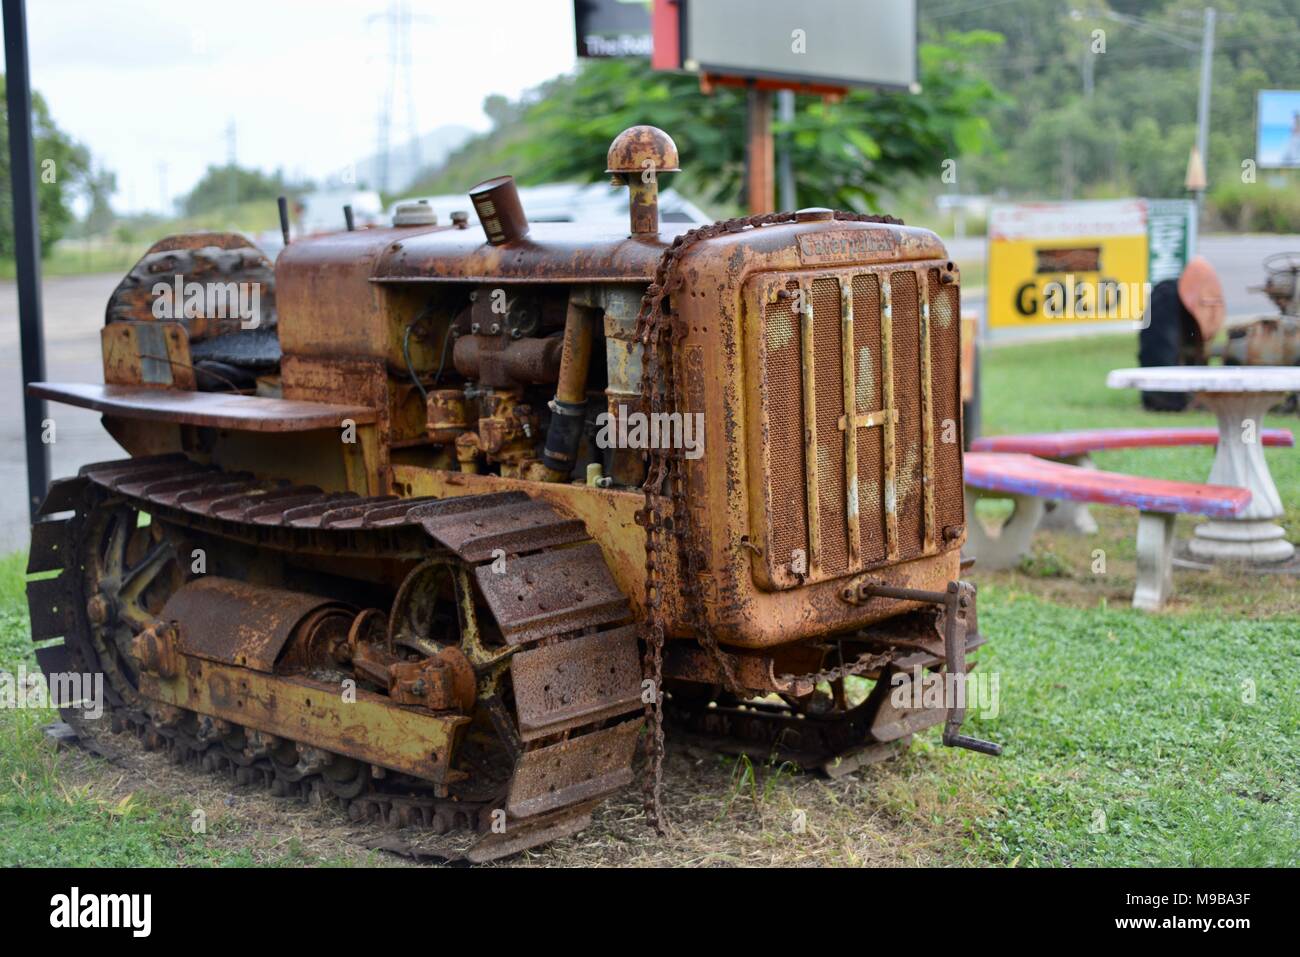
{"x": 1257, "y": 208}
{"x": 844, "y": 152}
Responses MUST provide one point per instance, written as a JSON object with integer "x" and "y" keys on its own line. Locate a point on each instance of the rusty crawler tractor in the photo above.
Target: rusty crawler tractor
{"x": 411, "y": 533}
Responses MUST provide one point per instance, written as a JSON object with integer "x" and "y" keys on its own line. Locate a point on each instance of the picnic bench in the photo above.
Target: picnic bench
{"x": 1028, "y": 480}
{"x": 1075, "y": 448}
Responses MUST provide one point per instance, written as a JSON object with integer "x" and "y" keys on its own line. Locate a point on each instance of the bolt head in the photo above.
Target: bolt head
{"x": 98, "y": 609}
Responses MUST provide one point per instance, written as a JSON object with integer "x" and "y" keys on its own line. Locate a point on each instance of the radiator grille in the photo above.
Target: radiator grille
{"x": 907, "y": 399}
{"x": 830, "y": 439}
{"x": 871, "y": 442}
{"x": 945, "y": 354}
{"x": 785, "y": 431}
{"x": 922, "y": 313}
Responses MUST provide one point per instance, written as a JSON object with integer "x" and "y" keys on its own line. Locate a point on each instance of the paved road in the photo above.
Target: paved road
{"x": 74, "y": 313}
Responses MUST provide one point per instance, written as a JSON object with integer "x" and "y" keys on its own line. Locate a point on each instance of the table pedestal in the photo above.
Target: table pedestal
{"x": 1254, "y": 535}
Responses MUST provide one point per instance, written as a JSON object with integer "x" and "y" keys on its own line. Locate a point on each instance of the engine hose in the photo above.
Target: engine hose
{"x": 564, "y": 435}
{"x": 410, "y": 366}
{"x": 569, "y": 407}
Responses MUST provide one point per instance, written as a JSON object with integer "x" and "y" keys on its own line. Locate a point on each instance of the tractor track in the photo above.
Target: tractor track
{"x": 562, "y": 742}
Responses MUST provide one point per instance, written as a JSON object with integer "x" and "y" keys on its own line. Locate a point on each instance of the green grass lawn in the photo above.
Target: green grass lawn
{"x": 1134, "y": 739}
{"x": 78, "y": 258}
{"x": 1179, "y": 731}
{"x": 117, "y": 253}
{"x": 50, "y": 817}
{"x": 1131, "y": 738}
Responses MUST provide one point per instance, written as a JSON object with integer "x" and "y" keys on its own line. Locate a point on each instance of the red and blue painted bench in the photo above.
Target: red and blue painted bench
{"x": 1076, "y": 447}
{"x": 1028, "y": 480}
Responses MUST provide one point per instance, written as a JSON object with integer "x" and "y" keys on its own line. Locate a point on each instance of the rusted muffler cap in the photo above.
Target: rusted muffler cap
{"x": 639, "y": 148}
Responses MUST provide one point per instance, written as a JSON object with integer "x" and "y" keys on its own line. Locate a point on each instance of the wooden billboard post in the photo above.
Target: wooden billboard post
{"x": 824, "y": 49}
{"x": 760, "y": 152}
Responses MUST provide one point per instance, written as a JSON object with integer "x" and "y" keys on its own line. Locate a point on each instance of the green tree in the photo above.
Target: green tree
{"x": 100, "y": 186}
{"x": 62, "y": 165}
{"x": 500, "y": 110}
{"x": 844, "y": 152}
{"x": 1133, "y": 133}
{"x": 226, "y": 186}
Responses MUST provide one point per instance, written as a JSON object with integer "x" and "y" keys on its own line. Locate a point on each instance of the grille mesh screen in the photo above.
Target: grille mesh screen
{"x": 945, "y": 370}
{"x": 871, "y": 442}
{"x": 908, "y": 459}
{"x": 785, "y": 427}
{"x": 782, "y": 393}
{"x": 830, "y": 440}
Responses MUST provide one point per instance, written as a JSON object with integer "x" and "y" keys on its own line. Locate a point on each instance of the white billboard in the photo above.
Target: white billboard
{"x": 816, "y": 42}
{"x": 1278, "y": 127}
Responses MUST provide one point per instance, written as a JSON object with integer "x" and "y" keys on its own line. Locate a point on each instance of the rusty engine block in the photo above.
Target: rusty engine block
{"x": 385, "y": 527}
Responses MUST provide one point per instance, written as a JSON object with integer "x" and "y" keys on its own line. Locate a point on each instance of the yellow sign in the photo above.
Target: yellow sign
{"x": 1054, "y": 264}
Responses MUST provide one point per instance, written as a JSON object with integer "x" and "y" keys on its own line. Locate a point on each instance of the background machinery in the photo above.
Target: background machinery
{"x": 1271, "y": 340}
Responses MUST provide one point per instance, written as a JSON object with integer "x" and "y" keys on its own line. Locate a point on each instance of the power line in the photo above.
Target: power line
{"x": 966, "y": 8}
{"x": 400, "y": 85}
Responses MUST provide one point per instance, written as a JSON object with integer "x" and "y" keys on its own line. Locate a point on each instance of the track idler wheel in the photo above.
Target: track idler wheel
{"x": 130, "y": 568}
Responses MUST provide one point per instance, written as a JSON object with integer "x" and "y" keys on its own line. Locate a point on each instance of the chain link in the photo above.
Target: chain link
{"x": 868, "y": 661}
{"x": 660, "y": 330}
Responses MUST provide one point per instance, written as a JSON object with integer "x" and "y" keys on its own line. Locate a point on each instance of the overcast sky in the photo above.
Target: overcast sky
{"x": 150, "y": 82}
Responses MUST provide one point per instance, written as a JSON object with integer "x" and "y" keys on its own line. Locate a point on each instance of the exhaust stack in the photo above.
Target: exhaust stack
{"x": 636, "y": 158}
{"x": 499, "y": 210}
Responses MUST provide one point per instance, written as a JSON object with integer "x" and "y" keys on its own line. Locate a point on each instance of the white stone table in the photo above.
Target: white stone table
{"x": 1239, "y": 396}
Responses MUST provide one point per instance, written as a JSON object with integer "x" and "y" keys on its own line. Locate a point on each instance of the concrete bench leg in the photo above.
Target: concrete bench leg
{"x": 1070, "y": 516}
{"x": 1155, "y": 560}
{"x": 1005, "y": 549}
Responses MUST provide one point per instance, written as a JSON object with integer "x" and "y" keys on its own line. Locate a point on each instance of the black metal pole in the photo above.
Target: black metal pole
{"x": 27, "y": 244}
{"x": 283, "y": 203}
